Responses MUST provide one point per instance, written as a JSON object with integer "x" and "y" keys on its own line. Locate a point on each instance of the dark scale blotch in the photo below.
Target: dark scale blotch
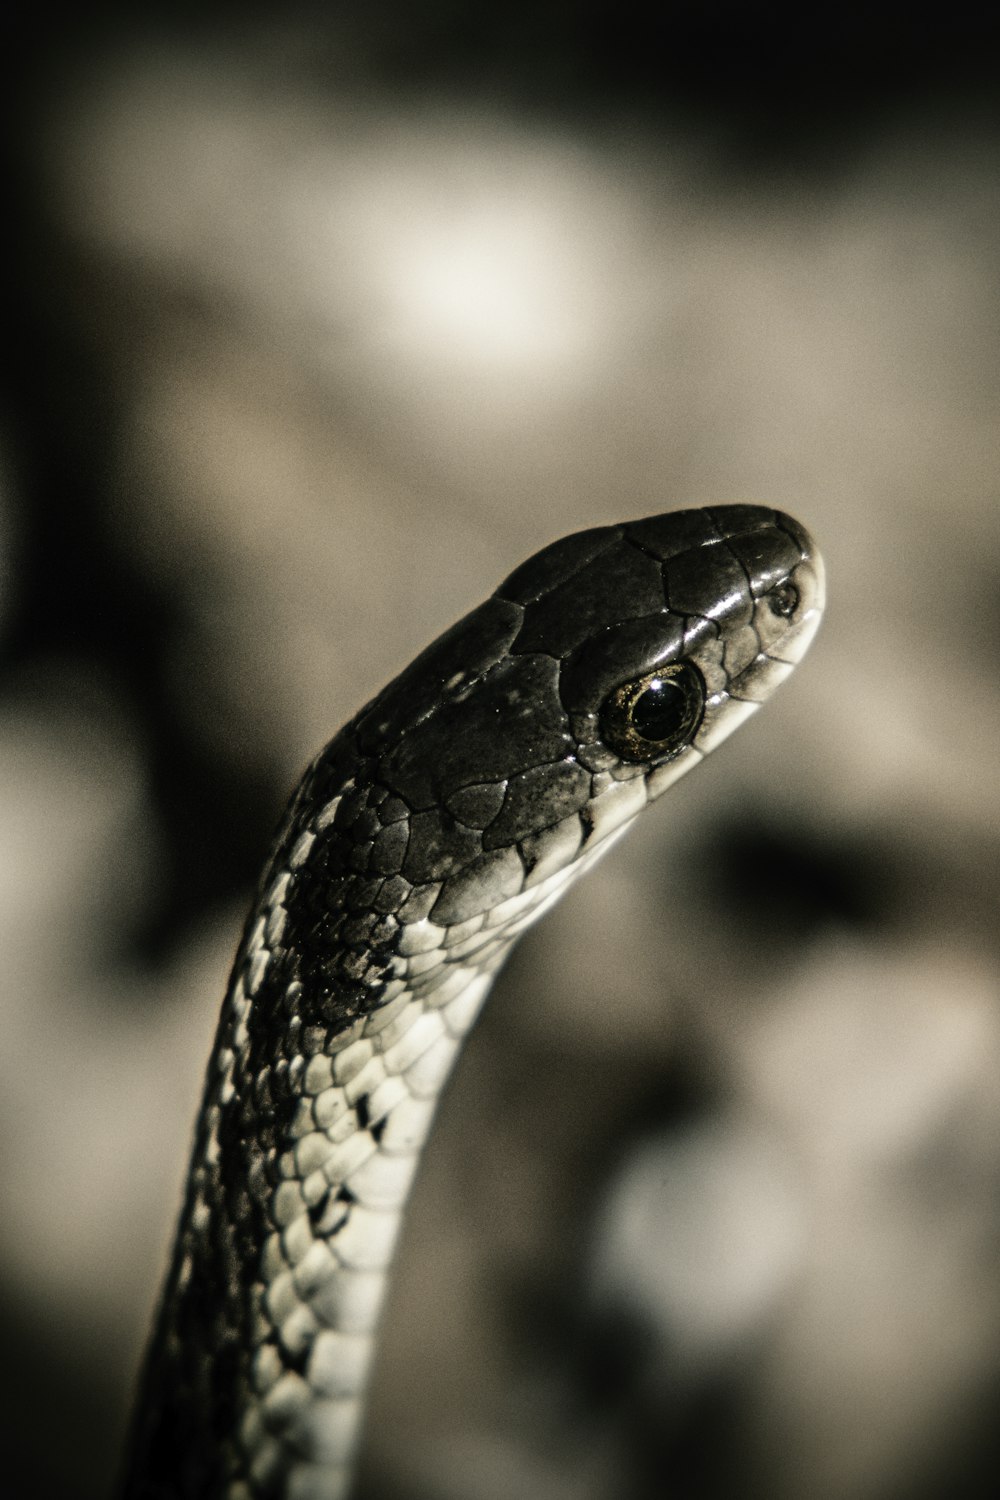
{"x": 619, "y": 584}
{"x": 362, "y": 1111}
{"x": 291, "y": 997}
{"x": 297, "y": 1360}
{"x": 344, "y": 1195}
{"x": 438, "y": 846}
{"x": 353, "y": 805}
{"x": 485, "y": 882}
{"x": 314, "y": 1039}
{"x": 591, "y": 753}
{"x": 262, "y": 1092}
{"x": 377, "y": 1129}
{"x": 279, "y": 1080}
{"x": 389, "y": 849}
{"x": 464, "y": 652}
{"x": 477, "y": 806}
{"x": 583, "y": 725}
{"x": 239, "y": 1204}
{"x": 595, "y": 757}
{"x": 360, "y": 928}
{"x": 317, "y": 1211}
{"x": 393, "y": 810}
{"x": 365, "y": 826}
{"x": 327, "y": 866}
{"x": 709, "y": 582}
{"x": 355, "y": 965}
{"x": 512, "y": 722}
{"x": 369, "y": 928}
{"x": 360, "y": 894}
{"x": 418, "y": 902}
{"x": 334, "y": 958}
{"x": 391, "y": 895}
{"x": 536, "y": 799}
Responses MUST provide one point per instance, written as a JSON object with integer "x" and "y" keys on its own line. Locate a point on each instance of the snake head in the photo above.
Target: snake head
{"x": 517, "y": 746}
{"x": 597, "y": 674}
{"x": 737, "y": 594}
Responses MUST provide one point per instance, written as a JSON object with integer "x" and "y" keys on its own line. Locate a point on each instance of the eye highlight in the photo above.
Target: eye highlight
{"x": 783, "y": 600}
{"x": 654, "y": 716}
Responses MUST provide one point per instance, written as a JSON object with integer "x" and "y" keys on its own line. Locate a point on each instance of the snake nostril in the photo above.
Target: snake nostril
{"x": 783, "y": 600}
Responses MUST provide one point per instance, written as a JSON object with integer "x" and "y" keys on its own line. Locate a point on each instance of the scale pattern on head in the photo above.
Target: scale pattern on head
{"x": 437, "y": 825}
{"x": 460, "y": 771}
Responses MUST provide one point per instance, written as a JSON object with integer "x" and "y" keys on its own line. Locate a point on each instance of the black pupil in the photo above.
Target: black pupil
{"x": 659, "y": 712}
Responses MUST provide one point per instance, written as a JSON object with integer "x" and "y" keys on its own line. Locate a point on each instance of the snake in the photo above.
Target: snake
{"x": 446, "y": 817}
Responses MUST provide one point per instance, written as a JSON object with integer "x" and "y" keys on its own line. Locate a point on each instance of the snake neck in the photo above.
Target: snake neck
{"x": 345, "y": 1011}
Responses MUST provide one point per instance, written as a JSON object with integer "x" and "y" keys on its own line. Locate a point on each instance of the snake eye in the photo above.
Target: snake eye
{"x": 783, "y": 600}
{"x": 655, "y": 716}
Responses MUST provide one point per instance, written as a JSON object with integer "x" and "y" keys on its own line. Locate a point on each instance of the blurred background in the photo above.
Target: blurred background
{"x": 319, "y": 321}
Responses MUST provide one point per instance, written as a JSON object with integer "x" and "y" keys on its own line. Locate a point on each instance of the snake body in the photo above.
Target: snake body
{"x": 433, "y": 829}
